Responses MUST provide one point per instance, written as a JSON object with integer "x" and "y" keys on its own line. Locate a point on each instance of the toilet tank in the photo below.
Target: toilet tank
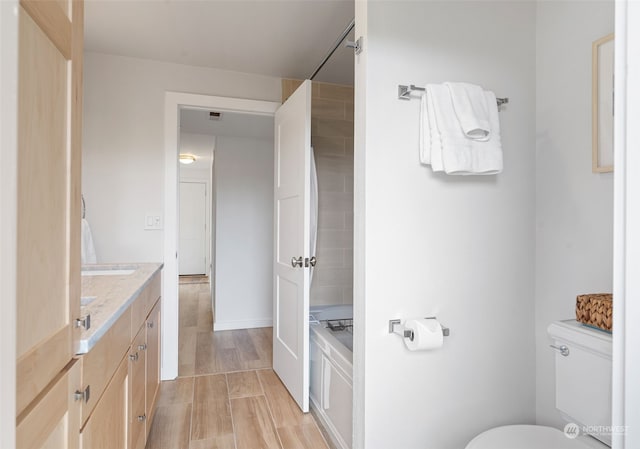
{"x": 583, "y": 376}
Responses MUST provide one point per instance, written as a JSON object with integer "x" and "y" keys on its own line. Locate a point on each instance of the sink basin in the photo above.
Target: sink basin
{"x": 86, "y": 300}
{"x": 117, "y": 272}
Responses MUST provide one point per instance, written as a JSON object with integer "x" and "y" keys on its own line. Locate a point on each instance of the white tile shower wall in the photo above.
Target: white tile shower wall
{"x": 574, "y": 207}
{"x": 459, "y": 248}
{"x": 332, "y": 139}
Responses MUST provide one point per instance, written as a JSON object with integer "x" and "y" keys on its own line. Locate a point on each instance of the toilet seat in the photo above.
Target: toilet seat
{"x": 524, "y": 437}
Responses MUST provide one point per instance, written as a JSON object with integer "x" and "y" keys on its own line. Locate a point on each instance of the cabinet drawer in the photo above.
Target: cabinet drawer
{"x": 107, "y": 426}
{"x": 137, "y": 384}
{"x": 143, "y": 303}
{"x": 53, "y": 421}
{"x": 99, "y": 364}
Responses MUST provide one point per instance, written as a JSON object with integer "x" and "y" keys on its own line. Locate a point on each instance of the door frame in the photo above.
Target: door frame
{"x": 626, "y": 231}
{"x": 207, "y": 218}
{"x": 173, "y": 103}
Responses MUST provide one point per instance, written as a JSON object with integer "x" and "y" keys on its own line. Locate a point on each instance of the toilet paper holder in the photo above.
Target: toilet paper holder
{"x": 396, "y": 327}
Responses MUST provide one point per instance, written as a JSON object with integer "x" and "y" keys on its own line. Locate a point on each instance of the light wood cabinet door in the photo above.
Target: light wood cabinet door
{"x": 137, "y": 385}
{"x": 108, "y": 424}
{"x": 48, "y": 192}
{"x": 54, "y": 420}
{"x": 153, "y": 362}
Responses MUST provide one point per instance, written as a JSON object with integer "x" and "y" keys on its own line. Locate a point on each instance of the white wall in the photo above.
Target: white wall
{"x": 243, "y": 173}
{"x": 459, "y": 248}
{"x": 574, "y": 207}
{"x": 123, "y": 152}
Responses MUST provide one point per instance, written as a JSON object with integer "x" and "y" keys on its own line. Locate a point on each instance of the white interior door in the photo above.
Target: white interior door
{"x": 292, "y": 209}
{"x": 193, "y": 207}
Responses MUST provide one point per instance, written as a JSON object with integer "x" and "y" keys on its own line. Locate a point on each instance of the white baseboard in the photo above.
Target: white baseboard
{"x": 242, "y": 324}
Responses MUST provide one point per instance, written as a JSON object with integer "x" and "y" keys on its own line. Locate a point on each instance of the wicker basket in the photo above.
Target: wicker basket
{"x": 595, "y": 310}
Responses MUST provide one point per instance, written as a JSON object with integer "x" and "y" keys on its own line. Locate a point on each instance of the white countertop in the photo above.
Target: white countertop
{"x": 113, "y": 294}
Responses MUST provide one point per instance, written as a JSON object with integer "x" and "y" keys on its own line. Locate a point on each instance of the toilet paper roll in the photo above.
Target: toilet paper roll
{"x": 427, "y": 334}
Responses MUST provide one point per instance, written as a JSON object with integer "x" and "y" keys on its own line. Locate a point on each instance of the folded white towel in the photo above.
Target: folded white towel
{"x": 425, "y": 131}
{"x": 470, "y": 106}
{"x": 87, "y": 249}
{"x": 430, "y": 127}
{"x": 430, "y": 139}
{"x": 451, "y": 150}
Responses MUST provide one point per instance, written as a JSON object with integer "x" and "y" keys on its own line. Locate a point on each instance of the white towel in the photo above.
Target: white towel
{"x": 451, "y": 150}
{"x": 87, "y": 249}
{"x": 430, "y": 137}
{"x": 470, "y": 106}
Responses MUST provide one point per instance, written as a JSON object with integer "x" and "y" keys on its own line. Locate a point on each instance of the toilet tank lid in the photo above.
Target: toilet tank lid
{"x": 524, "y": 437}
{"x": 571, "y": 331}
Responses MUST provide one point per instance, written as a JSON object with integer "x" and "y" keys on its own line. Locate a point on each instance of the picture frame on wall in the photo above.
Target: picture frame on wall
{"x": 602, "y": 104}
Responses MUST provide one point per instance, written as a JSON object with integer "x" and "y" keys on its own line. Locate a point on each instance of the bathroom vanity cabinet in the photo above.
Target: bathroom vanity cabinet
{"x": 106, "y": 397}
{"x": 121, "y": 375}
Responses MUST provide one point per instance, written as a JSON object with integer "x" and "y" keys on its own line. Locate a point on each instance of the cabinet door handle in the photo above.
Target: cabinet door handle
{"x": 142, "y": 347}
{"x": 83, "y": 395}
{"x": 133, "y": 357}
{"x": 150, "y": 324}
{"x": 141, "y": 418}
{"x": 562, "y": 349}
{"x": 84, "y": 322}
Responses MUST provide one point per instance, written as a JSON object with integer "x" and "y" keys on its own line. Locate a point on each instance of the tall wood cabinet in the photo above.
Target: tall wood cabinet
{"x": 105, "y": 398}
{"x": 48, "y": 221}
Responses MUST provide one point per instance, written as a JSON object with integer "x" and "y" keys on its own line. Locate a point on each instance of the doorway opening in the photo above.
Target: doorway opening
{"x": 225, "y": 241}
{"x": 175, "y": 103}
{"x": 237, "y": 406}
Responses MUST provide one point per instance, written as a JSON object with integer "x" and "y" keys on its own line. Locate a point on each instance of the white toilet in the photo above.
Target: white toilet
{"x": 583, "y": 395}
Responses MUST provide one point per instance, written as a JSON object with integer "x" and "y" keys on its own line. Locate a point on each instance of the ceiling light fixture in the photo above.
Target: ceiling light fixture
{"x": 187, "y": 159}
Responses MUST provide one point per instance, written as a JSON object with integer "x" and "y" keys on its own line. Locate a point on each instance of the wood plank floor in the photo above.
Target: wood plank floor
{"x": 227, "y": 395}
{"x": 204, "y": 352}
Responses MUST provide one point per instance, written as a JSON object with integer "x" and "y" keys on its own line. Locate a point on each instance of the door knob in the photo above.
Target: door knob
{"x": 313, "y": 261}
{"x": 296, "y": 262}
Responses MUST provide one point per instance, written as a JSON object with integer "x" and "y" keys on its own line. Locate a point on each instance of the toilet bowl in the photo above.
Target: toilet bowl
{"x": 531, "y": 437}
{"x": 583, "y": 394}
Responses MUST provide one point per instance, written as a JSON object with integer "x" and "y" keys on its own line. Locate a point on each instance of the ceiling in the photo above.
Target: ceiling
{"x": 231, "y": 124}
{"x": 277, "y": 38}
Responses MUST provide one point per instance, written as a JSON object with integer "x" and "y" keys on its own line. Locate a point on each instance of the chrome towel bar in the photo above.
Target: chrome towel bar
{"x": 404, "y": 93}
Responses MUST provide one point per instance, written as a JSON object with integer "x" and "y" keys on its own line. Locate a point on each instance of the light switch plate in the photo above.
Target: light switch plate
{"x": 152, "y": 222}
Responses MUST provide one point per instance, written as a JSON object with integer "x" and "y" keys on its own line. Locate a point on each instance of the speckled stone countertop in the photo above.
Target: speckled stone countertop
{"x": 107, "y": 296}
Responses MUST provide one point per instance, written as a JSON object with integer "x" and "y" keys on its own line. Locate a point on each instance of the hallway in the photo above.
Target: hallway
{"x": 201, "y": 351}
{"x": 226, "y": 396}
